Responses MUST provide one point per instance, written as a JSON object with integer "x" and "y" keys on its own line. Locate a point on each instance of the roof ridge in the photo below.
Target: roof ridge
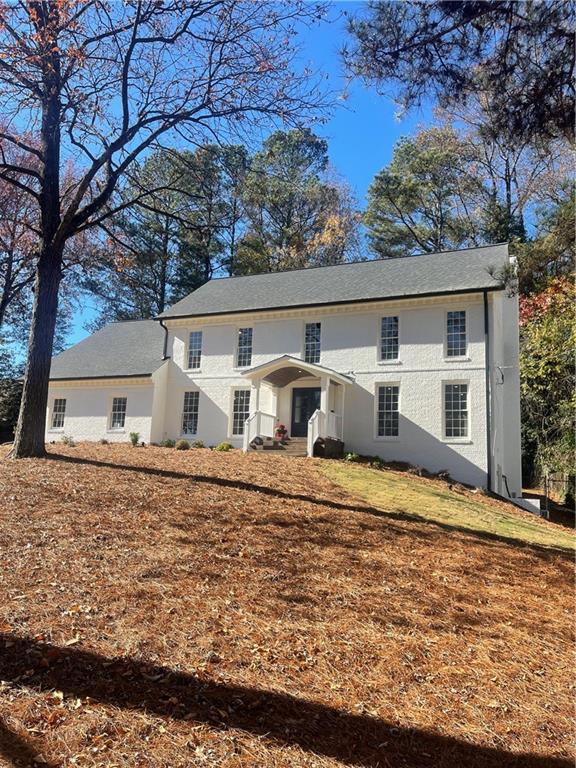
{"x": 123, "y": 322}
{"x": 350, "y": 263}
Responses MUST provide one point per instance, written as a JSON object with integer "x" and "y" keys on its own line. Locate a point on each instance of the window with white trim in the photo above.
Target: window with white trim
{"x": 118, "y": 413}
{"x": 195, "y": 349}
{"x": 244, "y": 348}
{"x": 455, "y": 410}
{"x": 389, "y": 341}
{"x": 456, "y": 333}
{"x": 58, "y": 412}
{"x": 240, "y": 410}
{"x": 388, "y": 413}
{"x": 312, "y": 340}
{"x": 190, "y": 413}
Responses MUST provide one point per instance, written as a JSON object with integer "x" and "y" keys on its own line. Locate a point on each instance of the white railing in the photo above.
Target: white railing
{"x": 258, "y": 424}
{"x": 315, "y": 424}
{"x": 249, "y": 431}
{"x": 333, "y": 426}
{"x": 320, "y": 424}
{"x": 267, "y": 425}
{"x": 323, "y": 424}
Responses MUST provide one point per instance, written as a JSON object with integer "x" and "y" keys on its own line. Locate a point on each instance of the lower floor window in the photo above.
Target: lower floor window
{"x": 118, "y": 415}
{"x": 58, "y": 413}
{"x": 388, "y": 416}
{"x": 240, "y": 410}
{"x": 455, "y": 410}
{"x": 190, "y": 413}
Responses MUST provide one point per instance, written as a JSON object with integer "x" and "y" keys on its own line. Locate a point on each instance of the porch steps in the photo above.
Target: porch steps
{"x": 294, "y": 446}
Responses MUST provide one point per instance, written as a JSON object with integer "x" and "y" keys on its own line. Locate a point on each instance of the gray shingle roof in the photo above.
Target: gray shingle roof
{"x": 431, "y": 273}
{"x": 121, "y": 349}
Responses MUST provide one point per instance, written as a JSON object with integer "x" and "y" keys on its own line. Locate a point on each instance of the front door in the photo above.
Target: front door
{"x": 305, "y": 400}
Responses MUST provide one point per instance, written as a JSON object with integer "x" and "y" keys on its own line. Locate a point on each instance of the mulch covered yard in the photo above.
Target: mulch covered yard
{"x": 163, "y": 608}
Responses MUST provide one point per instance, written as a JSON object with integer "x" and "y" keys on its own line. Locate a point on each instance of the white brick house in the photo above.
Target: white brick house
{"x": 412, "y": 359}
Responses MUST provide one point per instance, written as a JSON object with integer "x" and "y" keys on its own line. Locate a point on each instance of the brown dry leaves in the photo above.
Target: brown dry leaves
{"x": 314, "y": 632}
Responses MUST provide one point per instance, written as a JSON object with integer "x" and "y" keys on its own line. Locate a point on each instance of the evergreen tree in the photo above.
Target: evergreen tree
{"x": 518, "y": 54}
{"x": 417, "y": 203}
{"x": 296, "y": 215}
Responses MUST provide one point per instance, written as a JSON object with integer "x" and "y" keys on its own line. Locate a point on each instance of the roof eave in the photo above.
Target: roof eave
{"x": 103, "y": 377}
{"x": 293, "y": 362}
{"x": 397, "y": 297}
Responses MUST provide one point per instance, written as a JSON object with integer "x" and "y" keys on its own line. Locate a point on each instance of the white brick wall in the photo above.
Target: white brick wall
{"x": 350, "y": 345}
{"x": 88, "y": 407}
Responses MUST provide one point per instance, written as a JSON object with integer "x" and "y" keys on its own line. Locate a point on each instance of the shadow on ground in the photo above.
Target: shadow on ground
{"x": 354, "y": 739}
{"x": 543, "y": 551}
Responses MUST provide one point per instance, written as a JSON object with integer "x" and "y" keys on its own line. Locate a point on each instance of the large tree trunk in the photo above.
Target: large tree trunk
{"x": 29, "y": 438}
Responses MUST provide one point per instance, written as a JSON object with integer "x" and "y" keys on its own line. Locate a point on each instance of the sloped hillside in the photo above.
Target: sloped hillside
{"x": 163, "y": 608}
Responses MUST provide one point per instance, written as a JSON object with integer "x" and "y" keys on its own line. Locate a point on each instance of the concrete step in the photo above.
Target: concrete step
{"x": 296, "y": 446}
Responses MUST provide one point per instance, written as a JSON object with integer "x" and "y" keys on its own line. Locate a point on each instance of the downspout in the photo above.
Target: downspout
{"x": 488, "y": 399}
{"x": 165, "y": 348}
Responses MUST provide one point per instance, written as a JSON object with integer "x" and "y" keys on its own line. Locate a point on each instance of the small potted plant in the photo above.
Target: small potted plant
{"x": 281, "y": 432}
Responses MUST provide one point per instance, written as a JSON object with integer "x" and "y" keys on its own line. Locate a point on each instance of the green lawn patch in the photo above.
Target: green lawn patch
{"x": 396, "y": 492}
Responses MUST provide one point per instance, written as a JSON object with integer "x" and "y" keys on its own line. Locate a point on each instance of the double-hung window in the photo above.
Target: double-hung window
{"x": 240, "y": 410}
{"x": 312, "y": 342}
{"x": 190, "y": 413}
{"x": 118, "y": 414}
{"x": 456, "y": 334}
{"x": 389, "y": 339}
{"x": 58, "y": 413}
{"x": 244, "y": 348}
{"x": 388, "y": 412}
{"x": 195, "y": 350}
{"x": 455, "y": 410}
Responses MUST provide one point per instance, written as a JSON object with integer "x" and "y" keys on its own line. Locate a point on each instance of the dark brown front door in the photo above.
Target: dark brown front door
{"x": 305, "y": 400}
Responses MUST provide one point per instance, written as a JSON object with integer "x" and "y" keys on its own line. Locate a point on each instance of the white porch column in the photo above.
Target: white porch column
{"x": 255, "y": 395}
{"x": 274, "y": 401}
{"x": 324, "y": 393}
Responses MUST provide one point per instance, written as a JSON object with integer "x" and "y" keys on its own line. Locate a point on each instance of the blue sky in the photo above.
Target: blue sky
{"x": 364, "y": 128}
{"x": 361, "y": 132}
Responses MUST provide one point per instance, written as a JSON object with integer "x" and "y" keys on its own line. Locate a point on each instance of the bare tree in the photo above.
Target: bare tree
{"x": 99, "y": 84}
{"x": 517, "y": 172}
{"x": 18, "y": 220}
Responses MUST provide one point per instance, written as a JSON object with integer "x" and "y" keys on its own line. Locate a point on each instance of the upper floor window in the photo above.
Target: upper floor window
{"x": 190, "y": 413}
{"x": 312, "y": 336}
{"x": 240, "y": 410}
{"x": 58, "y": 413}
{"x": 455, "y": 410}
{"x": 389, "y": 342}
{"x": 195, "y": 349}
{"x": 118, "y": 414}
{"x": 456, "y": 334}
{"x": 388, "y": 412}
{"x": 244, "y": 348}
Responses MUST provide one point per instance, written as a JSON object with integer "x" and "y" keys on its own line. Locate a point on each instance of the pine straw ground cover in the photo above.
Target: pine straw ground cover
{"x": 162, "y": 608}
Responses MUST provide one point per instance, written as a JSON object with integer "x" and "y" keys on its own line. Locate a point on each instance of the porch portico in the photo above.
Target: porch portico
{"x": 308, "y": 398}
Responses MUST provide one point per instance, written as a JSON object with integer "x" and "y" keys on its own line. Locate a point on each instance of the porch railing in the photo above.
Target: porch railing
{"x": 323, "y": 424}
{"x": 333, "y": 425}
{"x": 315, "y": 426}
{"x": 258, "y": 424}
{"x": 320, "y": 424}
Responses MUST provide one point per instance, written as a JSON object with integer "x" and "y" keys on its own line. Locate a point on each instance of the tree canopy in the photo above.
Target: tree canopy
{"x": 519, "y": 55}
{"x": 418, "y": 202}
{"x": 94, "y": 83}
{"x": 296, "y": 215}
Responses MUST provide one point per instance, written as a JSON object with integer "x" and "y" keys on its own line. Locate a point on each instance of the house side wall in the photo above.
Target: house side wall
{"x": 505, "y": 395}
{"x": 88, "y": 406}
